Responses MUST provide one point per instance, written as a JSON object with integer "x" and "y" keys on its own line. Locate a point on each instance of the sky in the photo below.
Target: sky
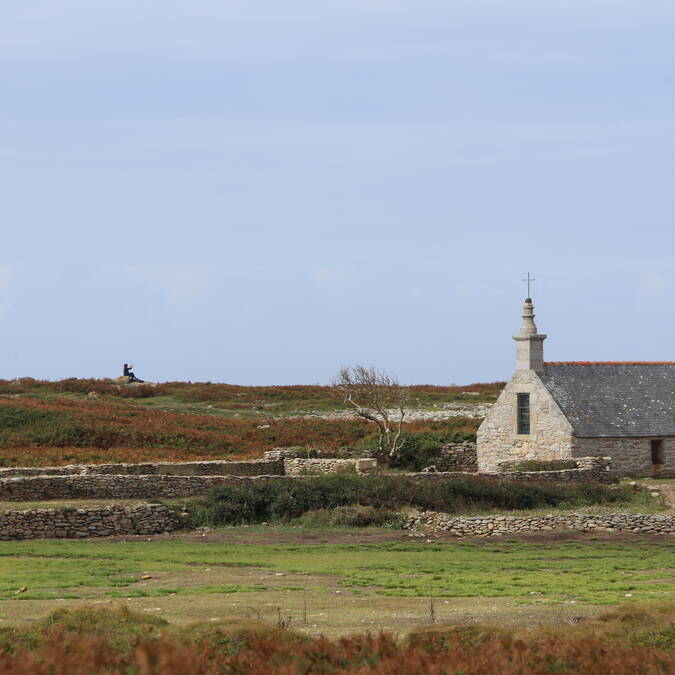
{"x": 260, "y": 192}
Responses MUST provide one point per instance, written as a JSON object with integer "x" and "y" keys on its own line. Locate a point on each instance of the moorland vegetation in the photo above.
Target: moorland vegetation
{"x": 637, "y": 639}
{"x": 94, "y": 421}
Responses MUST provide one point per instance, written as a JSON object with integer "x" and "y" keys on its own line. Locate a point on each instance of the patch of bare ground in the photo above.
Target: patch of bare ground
{"x": 330, "y": 610}
{"x": 288, "y": 535}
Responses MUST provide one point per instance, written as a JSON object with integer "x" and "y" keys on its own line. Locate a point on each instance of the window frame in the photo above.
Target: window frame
{"x": 523, "y": 414}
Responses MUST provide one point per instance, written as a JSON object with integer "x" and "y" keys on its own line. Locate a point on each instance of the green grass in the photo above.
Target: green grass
{"x": 596, "y": 572}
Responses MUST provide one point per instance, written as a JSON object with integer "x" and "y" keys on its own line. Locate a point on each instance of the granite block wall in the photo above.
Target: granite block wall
{"x": 630, "y": 456}
{"x": 550, "y": 434}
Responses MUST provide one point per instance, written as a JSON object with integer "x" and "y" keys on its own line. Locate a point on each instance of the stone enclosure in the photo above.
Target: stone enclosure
{"x": 166, "y": 481}
{"x": 162, "y": 480}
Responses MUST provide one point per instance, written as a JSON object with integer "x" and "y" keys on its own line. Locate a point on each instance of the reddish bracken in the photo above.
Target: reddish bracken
{"x": 58, "y": 431}
{"x": 70, "y": 653}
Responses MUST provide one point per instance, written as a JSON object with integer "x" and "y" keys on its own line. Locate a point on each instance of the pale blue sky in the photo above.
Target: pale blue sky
{"x": 259, "y": 192}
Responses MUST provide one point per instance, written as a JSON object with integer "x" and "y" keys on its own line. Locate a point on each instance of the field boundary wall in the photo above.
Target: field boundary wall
{"x": 143, "y": 519}
{"x": 258, "y": 467}
{"x": 71, "y": 523}
{"x": 157, "y": 486}
{"x": 490, "y": 526}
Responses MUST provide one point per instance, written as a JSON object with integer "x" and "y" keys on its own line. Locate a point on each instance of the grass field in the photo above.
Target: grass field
{"x": 348, "y": 578}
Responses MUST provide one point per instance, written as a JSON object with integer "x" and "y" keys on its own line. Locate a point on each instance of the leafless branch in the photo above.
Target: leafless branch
{"x": 377, "y": 397}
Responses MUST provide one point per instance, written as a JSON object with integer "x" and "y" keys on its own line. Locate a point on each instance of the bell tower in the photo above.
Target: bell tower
{"x": 529, "y": 343}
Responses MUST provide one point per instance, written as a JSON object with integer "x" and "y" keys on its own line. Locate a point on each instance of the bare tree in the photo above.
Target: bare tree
{"x": 377, "y": 397}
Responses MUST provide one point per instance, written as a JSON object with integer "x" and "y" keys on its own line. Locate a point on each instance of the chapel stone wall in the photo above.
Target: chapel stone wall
{"x": 550, "y": 434}
{"x": 630, "y": 456}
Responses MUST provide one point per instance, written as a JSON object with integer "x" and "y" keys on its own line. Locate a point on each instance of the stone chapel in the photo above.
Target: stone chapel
{"x": 563, "y": 410}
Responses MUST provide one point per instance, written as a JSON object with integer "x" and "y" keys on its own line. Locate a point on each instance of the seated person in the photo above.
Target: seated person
{"x": 128, "y": 373}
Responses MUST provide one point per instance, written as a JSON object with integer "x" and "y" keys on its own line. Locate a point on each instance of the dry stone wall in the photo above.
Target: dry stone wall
{"x": 287, "y": 453}
{"x": 490, "y": 526}
{"x": 295, "y": 467}
{"x": 102, "y": 486}
{"x": 109, "y": 487}
{"x": 457, "y": 457}
{"x": 262, "y": 467}
{"x": 90, "y": 522}
{"x": 598, "y": 473}
{"x": 597, "y": 469}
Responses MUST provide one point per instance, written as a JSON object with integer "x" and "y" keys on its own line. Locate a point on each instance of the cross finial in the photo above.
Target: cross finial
{"x": 529, "y": 280}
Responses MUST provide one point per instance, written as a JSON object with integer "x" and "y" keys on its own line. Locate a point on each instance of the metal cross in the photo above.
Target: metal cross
{"x": 529, "y": 281}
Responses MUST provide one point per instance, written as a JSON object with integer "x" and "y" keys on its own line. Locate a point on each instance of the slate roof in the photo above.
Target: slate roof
{"x": 614, "y": 399}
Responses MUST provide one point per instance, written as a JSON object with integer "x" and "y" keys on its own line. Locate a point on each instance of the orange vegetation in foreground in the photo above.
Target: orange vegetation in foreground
{"x": 57, "y": 431}
{"x": 74, "y": 654}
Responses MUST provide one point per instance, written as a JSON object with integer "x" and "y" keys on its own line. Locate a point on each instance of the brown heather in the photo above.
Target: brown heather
{"x": 64, "y": 653}
{"x": 55, "y": 431}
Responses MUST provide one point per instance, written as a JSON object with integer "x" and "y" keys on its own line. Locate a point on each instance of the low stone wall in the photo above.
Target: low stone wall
{"x": 26, "y": 471}
{"x": 490, "y": 526}
{"x": 157, "y": 486}
{"x": 564, "y": 476}
{"x": 95, "y": 522}
{"x": 260, "y": 467}
{"x": 295, "y": 467}
{"x": 287, "y": 453}
{"x": 589, "y": 469}
{"x": 109, "y": 487}
{"x": 457, "y": 457}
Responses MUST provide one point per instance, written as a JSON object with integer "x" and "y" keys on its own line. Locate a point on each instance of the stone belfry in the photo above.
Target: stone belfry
{"x": 529, "y": 343}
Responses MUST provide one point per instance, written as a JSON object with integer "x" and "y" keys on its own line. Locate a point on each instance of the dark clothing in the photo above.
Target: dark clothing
{"x": 129, "y": 374}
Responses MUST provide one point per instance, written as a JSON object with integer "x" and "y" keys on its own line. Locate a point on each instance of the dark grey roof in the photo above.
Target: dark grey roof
{"x": 614, "y": 399}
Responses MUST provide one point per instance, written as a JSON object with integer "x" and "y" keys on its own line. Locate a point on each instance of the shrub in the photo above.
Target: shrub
{"x": 419, "y": 449}
{"x": 351, "y": 516}
{"x": 289, "y": 499}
